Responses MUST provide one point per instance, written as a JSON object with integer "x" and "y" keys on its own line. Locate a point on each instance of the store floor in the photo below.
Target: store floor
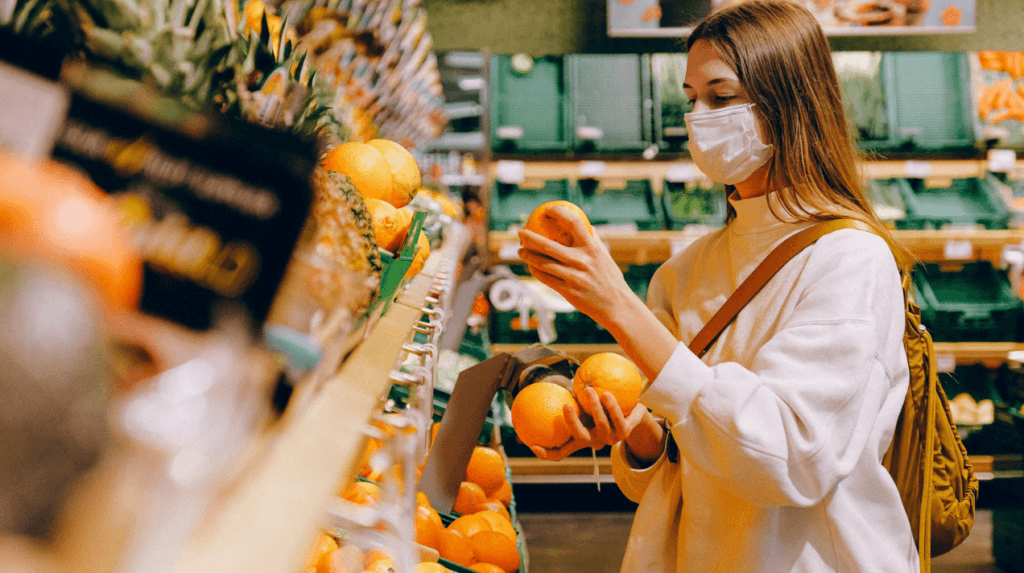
{"x": 595, "y": 543}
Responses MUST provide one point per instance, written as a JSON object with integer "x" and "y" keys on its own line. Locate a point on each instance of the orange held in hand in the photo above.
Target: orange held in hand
{"x": 610, "y": 372}
{"x": 537, "y": 415}
{"x": 546, "y": 224}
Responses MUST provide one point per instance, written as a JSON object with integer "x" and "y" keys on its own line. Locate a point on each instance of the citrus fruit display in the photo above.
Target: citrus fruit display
{"x": 613, "y": 373}
{"x": 405, "y": 174}
{"x": 365, "y": 166}
{"x": 542, "y": 222}
{"x": 537, "y": 414}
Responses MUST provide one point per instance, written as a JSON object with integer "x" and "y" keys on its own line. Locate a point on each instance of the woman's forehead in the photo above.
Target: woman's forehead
{"x": 704, "y": 64}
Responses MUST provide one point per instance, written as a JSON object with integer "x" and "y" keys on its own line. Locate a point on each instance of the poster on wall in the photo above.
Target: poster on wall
{"x": 676, "y": 18}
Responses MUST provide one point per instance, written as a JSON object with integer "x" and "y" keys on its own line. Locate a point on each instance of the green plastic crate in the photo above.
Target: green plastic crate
{"x": 691, "y": 204}
{"x": 668, "y": 72}
{"x": 633, "y": 204}
{"x": 532, "y": 105}
{"x": 512, "y": 204}
{"x": 864, "y": 99}
{"x": 886, "y": 198}
{"x": 607, "y": 95}
{"x": 974, "y": 303}
{"x": 969, "y": 202}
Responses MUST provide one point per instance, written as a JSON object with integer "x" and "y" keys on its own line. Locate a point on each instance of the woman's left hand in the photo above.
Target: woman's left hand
{"x": 585, "y": 274}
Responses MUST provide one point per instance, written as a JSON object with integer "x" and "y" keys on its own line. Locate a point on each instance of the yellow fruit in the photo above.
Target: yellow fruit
{"x": 498, "y": 522}
{"x": 405, "y": 174}
{"x": 456, "y": 548}
{"x": 365, "y": 167}
{"x": 420, "y": 258}
{"x": 610, "y": 372}
{"x": 496, "y": 548}
{"x": 470, "y": 525}
{"x": 537, "y": 415}
{"x": 389, "y": 226}
{"x": 486, "y": 469}
{"x": 428, "y": 529}
{"x": 469, "y": 498}
{"x": 544, "y": 224}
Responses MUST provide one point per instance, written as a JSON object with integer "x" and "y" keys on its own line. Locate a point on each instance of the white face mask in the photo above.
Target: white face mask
{"x": 724, "y": 143}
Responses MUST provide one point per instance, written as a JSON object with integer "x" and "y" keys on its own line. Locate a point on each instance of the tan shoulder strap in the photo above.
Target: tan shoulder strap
{"x": 762, "y": 274}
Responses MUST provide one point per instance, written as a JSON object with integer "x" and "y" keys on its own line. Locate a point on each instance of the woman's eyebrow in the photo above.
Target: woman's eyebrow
{"x": 711, "y": 83}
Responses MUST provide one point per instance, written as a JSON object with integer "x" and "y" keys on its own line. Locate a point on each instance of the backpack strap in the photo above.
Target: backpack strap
{"x": 762, "y": 274}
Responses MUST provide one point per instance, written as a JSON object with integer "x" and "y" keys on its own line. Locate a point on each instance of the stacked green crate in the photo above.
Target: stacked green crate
{"x": 632, "y": 204}
{"x": 970, "y": 302}
{"x": 971, "y": 202}
{"x": 668, "y": 72}
{"x": 512, "y": 204}
{"x": 608, "y": 101}
{"x": 528, "y": 104}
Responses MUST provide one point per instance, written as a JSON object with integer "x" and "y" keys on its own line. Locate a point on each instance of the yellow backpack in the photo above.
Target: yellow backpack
{"x": 927, "y": 460}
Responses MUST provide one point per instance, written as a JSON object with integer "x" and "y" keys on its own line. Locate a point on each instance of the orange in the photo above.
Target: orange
{"x": 405, "y": 173}
{"x": 469, "y": 525}
{"x": 610, "y": 372}
{"x": 389, "y": 227}
{"x": 428, "y": 529}
{"x": 365, "y": 166}
{"x": 496, "y": 548}
{"x": 469, "y": 498}
{"x": 428, "y": 567}
{"x": 456, "y": 547}
{"x": 378, "y": 556}
{"x": 347, "y": 558}
{"x": 498, "y": 522}
{"x": 420, "y": 258}
{"x": 486, "y": 469}
{"x": 321, "y": 552}
{"x": 363, "y": 493}
{"x": 422, "y": 499}
{"x": 404, "y": 216}
{"x": 504, "y": 494}
{"x": 486, "y": 568}
{"x": 365, "y": 469}
{"x": 537, "y": 414}
{"x": 495, "y": 506}
{"x": 547, "y": 225}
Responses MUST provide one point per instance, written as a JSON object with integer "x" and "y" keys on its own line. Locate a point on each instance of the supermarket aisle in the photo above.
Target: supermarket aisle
{"x": 595, "y": 542}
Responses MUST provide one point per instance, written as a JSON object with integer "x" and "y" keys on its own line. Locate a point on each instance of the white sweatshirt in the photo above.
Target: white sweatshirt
{"x": 781, "y": 427}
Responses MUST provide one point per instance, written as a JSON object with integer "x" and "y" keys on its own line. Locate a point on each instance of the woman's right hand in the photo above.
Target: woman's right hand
{"x": 609, "y": 427}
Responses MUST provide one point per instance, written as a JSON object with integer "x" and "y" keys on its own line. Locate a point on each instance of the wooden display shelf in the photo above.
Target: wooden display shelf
{"x": 645, "y": 247}
{"x": 989, "y": 353}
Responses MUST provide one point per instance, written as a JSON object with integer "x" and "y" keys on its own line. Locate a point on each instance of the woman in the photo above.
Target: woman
{"x": 765, "y": 455}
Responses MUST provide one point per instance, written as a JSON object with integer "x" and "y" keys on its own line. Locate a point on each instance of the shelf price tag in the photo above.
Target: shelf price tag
{"x": 681, "y": 173}
{"x": 511, "y": 171}
{"x": 592, "y": 169}
{"x": 917, "y": 169}
{"x": 958, "y": 250}
{"x": 1001, "y": 160}
{"x": 945, "y": 362}
{"x": 34, "y": 108}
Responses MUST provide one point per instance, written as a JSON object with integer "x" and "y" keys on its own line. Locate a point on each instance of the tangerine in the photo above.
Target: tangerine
{"x": 405, "y": 173}
{"x": 537, "y": 414}
{"x": 469, "y": 498}
{"x": 364, "y": 166}
{"x": 495, "y": 506}
{"x": 610, "y": 372}
{"x": 499, "y": 523}
{"x": 469, "y": 525}
{"x": 504, "y": 494}
{"x": 545, "y": 224}
{"x": 486, "y": 469}
{"x": 428, "y": 529}
{"x": 455, "y": 547}
{"x": 496, "y": 548}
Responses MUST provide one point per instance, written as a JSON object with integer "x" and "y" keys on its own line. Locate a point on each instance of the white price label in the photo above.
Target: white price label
{"x": 509, "y": 252}
{"x": 589, "y": 133}
{"x": 33, "y": 111}
{"x": 945, "y": 362}
{"x": 1001, "y": 160}
{"x": 958, "y": 250}
{"x": 592, "y": 169}
{"x": 509, "y": 132}
{"x": 681, "y": 173}
{"x": 511, "y": 171}
{"x": 917, "y": 169}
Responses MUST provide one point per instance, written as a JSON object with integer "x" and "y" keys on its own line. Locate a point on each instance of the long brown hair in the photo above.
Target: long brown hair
{"x": 784, "y": 63}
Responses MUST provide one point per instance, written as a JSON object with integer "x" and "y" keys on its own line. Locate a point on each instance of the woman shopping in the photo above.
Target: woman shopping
{"x": 766, "y": 453}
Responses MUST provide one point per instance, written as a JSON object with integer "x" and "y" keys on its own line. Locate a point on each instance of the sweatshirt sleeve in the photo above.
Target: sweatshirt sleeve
{"x": 787, "y": 430}
{"x": 633, "y": 481}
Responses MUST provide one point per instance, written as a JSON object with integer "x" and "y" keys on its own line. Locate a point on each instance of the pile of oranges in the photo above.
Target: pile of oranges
{"x": 387, "y": 177}
{"x": 483, "y": 537}
{"x": 537, "y": 412}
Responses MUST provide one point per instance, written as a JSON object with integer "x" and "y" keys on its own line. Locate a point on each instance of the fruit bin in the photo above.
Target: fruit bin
{"x": 971, "y": 202}
{"x": 512, "y": 204}
{"x": 887, "y": 200}
{"x": 632, "y": 204}
{"x": 528, "y": 104}
{"x": 968, "y": 302}
{"x": 607, "y": 95}
{"x": 693, "y": 204}
{"x": 670, "y": 101}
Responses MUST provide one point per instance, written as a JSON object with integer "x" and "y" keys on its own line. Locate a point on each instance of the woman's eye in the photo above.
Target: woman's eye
{"x": 725, "y": 98}
{"x": 691, "y": 101}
